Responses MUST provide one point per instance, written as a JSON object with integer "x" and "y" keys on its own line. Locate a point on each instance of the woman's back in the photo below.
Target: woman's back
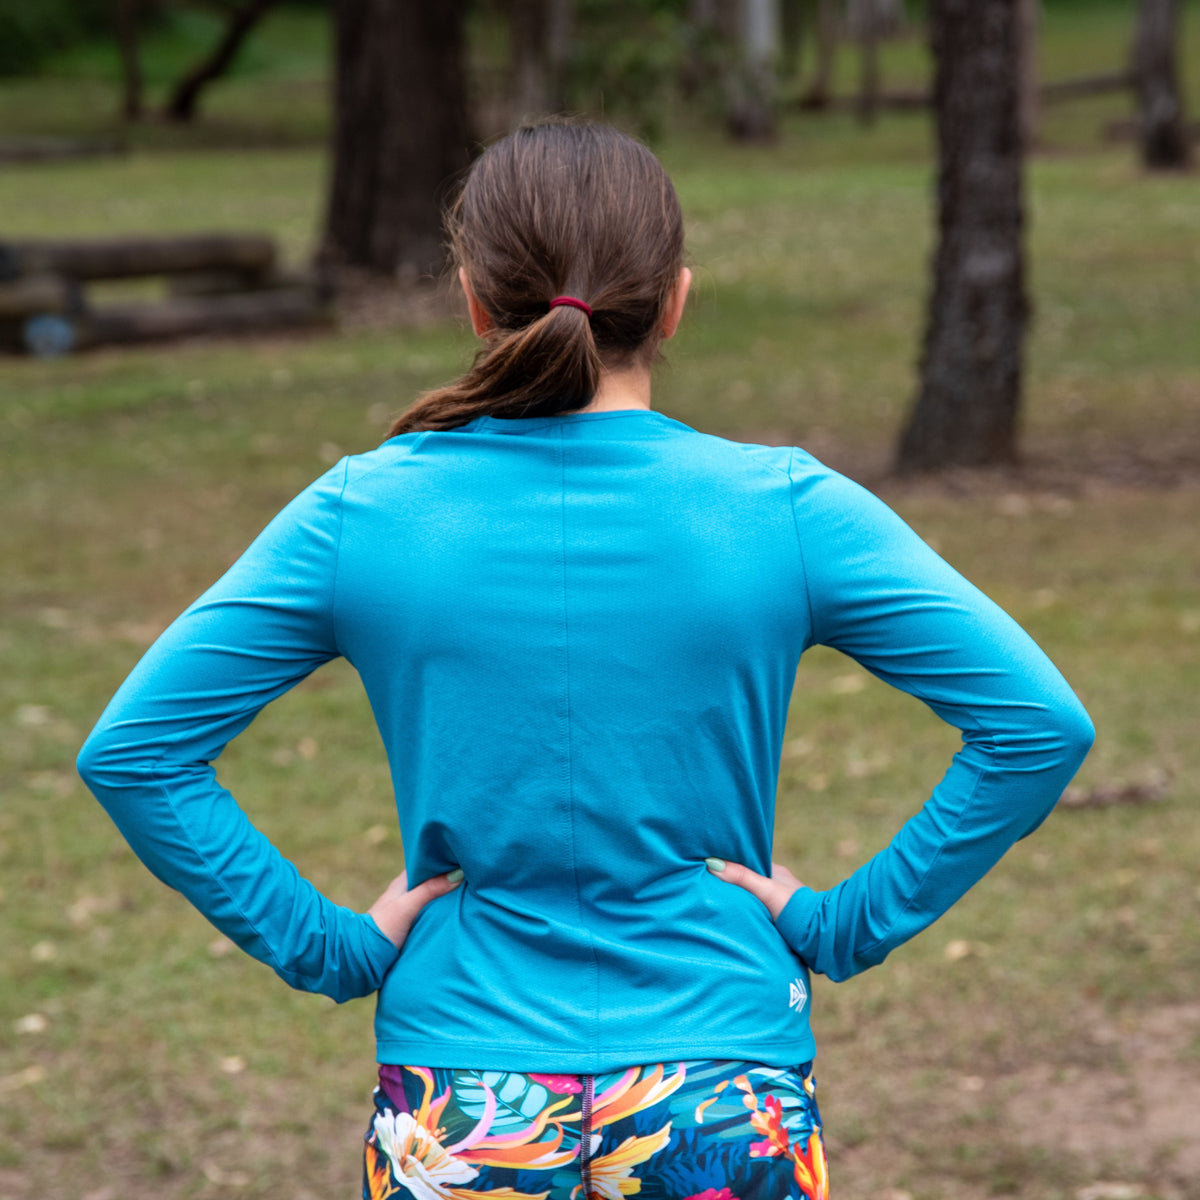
{"x": 579, "y": 637}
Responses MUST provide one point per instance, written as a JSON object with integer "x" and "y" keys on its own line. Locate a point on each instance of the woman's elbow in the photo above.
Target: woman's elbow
{"x": 89, "y": 762}
{"x": 1077, "y": 733}
{"x": 102, "y": 761}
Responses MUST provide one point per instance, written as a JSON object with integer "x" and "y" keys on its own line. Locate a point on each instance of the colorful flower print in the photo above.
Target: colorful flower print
{"x": 698, "y": 1130}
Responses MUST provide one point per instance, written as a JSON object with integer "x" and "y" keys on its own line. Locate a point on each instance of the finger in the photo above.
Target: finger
{"x": 434, "y": 886}
{"x": 780, "y": 874}
{"x": 758, "y": 885}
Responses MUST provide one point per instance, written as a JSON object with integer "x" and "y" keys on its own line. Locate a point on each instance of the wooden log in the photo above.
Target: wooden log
{"x": 1086, "y": 85}
{"x": 1125, "y": 129}
{"x": 31, "y": 150}
{"x": 129, "y": 257}
{"x": 218, "y": 283}
{"x": 250, "y": 312}
{"x": 38, "y": 294}
{"x": 897, "y": 101}
{"x": 1048, "y": 93}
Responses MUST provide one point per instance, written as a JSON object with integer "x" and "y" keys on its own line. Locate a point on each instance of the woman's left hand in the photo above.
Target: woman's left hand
{"x": 774, "y": 892}
{"x": 396, "y": 910}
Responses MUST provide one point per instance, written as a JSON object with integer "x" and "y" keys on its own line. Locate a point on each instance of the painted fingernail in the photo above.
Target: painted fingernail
{"x": 715, "y": 864}
{"x": 455, "y": 875}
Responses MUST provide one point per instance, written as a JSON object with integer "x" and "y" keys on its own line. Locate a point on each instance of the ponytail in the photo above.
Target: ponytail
{"x": 551, "y": 213}
{"x": 539, "y": 370}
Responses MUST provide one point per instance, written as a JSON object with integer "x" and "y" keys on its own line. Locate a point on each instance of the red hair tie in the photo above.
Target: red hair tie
{"x": 571, "y": 302}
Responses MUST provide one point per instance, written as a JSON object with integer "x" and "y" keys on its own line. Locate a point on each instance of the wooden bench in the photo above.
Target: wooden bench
{"x": 218, "y": 284}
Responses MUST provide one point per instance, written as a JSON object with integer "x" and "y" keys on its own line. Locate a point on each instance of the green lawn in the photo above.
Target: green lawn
{"x": 1030, "y": 1044}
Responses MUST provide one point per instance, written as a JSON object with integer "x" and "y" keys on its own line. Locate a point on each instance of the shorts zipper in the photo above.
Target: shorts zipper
{"x": 585, "y": 1156}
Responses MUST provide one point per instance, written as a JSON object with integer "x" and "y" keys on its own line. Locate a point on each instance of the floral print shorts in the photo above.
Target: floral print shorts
{"x": 704, "y": 1129}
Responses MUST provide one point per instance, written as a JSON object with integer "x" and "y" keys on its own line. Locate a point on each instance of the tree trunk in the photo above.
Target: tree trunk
{"x": 969, "y": 393}
{"x": 791, "y": 37}
{"x": 1160, "y": 103}
{"x": 400, "y": 133}
{"x": 560, "y": 35}
{"x": 126, "y": 23}
{"x": 529, "y": 28}
{"x": 181, "y": 104}
{"x": 869, "y": 20}
{"x": 820, "y": 91}
{"x": 751, "y": 81}
{"x": 541, "y": 32}
{"x": 1028, "y": 16}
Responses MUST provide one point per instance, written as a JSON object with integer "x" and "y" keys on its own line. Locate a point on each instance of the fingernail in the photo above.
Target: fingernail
{"x": 455, "y": 875}
{"x": 715, "y": 864}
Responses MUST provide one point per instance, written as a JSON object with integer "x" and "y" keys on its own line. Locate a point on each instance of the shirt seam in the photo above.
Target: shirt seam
{"x": 812, "y": 622}
{"x": 337, "y": 552}
{"x": 566, "y": 684}
{"x": 541, "y": 1047}
{"x": 908, "y": 904}
{"x": 152, "y": 769}
{"x": 400, "y": 452}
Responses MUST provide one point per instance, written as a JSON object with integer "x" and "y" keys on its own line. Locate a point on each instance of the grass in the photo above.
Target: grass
{"x": 164, "y": 1066}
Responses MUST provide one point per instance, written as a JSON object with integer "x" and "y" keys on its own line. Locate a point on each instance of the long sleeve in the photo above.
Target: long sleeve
{"x": 263, "y": 627}
{"x": 879, "y": 594}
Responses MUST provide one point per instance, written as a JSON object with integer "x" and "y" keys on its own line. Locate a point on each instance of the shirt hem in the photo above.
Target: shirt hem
{"x": 517, "y": 1057}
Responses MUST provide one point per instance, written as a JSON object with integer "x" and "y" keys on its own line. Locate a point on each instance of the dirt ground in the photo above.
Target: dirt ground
{"x": 1137, "y": 1109}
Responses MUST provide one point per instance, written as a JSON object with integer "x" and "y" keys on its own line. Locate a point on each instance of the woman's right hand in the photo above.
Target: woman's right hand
{"x": 774, "y": 892}
{"x": 396, "y": 910}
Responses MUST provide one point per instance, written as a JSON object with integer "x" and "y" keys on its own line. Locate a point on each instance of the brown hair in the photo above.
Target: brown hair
{"x": 562, "y": 208}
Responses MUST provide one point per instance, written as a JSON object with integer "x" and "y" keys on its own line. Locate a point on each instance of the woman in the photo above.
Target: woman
{"x": 578, "y": 622}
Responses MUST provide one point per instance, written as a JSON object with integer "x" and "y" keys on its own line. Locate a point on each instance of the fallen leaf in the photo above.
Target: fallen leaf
{"x": 43, "y": 952}
{"x": 1106, "y": 795}
{"x": 31, "y": 715}
{"x": 20, "y": 1079}
{"x": 797, "y": 748}
{"x": 1110, "y": 1191}
{"x": 847, "y": 685}
{"x": 223, "y": 1178}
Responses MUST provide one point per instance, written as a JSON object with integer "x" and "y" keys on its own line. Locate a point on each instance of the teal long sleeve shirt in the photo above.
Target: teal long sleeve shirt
{"x": 579, "y": 636}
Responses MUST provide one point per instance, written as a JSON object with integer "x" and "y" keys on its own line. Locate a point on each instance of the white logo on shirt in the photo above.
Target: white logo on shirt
{"x": 797, "y": 994}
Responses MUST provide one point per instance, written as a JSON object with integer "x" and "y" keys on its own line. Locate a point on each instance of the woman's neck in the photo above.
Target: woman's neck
{"x": 620, "y": 390}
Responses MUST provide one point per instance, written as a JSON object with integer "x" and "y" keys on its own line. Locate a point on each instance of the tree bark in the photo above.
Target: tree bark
{"x": 1028, "y": 16}
{"x": 1164, "y": 139}
{"x": 560, "y": 35}
{"x": 529, "y": 34}
{"x": 791, "y": 37}
{"x": 868, "y": 30}
{"x": 968, "y": 397}
{"x": 125, "y": 19}
{"x": 400, "y": 133}
{"x": 751, "y": 81}
{"x": 820, "y": 91}
{"x": 185, "y": 96}
{"x": 541, "y": 32}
